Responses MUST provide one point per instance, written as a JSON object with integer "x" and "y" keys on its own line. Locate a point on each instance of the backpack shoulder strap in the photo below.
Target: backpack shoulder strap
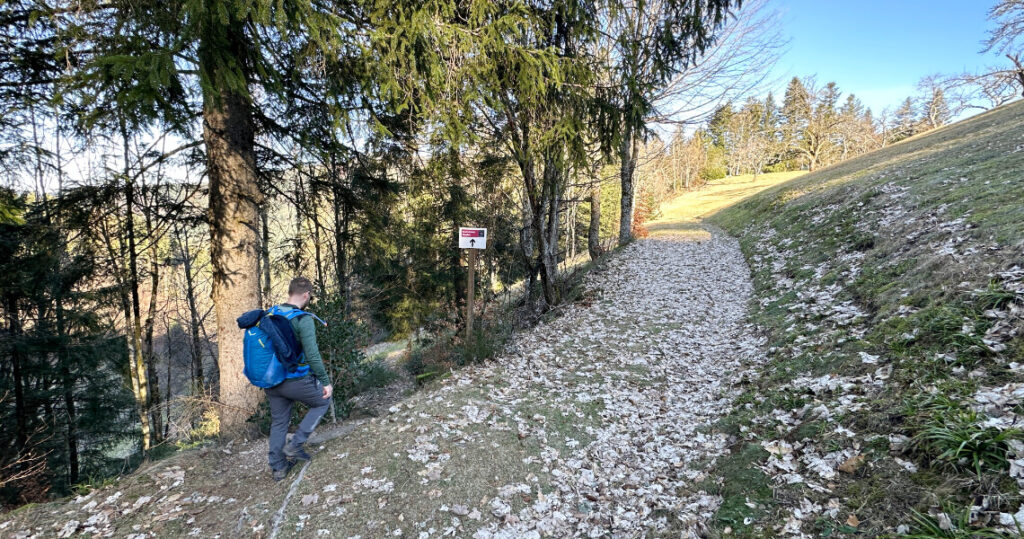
{"x": 295, "y": 313}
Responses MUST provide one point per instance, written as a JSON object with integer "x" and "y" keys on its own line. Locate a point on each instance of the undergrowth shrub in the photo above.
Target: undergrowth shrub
{"x": 997, "y": 297}
{"x": 955, "y": 439}
{"x": 430, "y": 360}
{"x": 448, "y": 347}
{"x": 438, "y": 358}
{"x": 645, "y": 210}
{"x": 945, "y": 327}
{"x": 958, "y": 526}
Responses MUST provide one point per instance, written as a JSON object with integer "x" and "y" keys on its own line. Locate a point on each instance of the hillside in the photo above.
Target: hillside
{"x": 891, "y": 290}
{"x": 849, "y": 362}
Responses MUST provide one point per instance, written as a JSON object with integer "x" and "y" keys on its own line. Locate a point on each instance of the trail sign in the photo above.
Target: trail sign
{"x": 472, "y": 238}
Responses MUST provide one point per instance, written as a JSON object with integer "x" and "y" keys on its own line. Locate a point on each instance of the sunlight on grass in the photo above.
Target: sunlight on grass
{"x": 683, "y": 212}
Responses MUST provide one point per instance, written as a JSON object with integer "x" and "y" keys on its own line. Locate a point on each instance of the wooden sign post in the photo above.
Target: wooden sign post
{"x": 470, "y": 294}
{"x": 472, "y": 239}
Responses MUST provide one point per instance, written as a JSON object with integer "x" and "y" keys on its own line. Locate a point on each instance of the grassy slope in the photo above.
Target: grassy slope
{"x": 897, "y": 254}
{"x": 685, "y": 211}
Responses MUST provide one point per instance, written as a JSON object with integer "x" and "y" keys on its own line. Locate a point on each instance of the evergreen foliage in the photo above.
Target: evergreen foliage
{"x": 63, "y": 399}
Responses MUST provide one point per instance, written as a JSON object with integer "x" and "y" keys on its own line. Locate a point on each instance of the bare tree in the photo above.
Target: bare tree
{"x": 752, "y": 140}
{"x": 1006, "y": 38}
{"x": 649, "y": 43}
{"x": 738, "y": 62}
{"x": 693, "y": 156}
{"x": 985, "y": 89}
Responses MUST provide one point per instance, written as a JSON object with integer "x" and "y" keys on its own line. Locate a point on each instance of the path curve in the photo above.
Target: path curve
{"x": 664, "y": 340}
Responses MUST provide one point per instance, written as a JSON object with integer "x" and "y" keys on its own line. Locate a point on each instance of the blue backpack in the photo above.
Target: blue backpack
{"x": 270, "y": 351}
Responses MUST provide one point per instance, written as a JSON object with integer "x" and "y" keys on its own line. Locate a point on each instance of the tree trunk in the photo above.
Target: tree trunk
{"x": 229, "y": 135}
{"x": 116, "y": 257}
{"x": 527, "y": 246}
{"x": 193, "y": 315}
{"x": 1018, "y": 70}
{"x": 594, "y": 232}
{"x": 317, "y": 256}
{"x": 627, "y": 156}
{"x": 265, "y": 299}
{"x": 133, "y": 315}
{"x": 68, "y": 383}
{"x": 545, "y": 226}
{"x": 547, "y": 270}
{"x": 455, "y": 261}
{"x": 167, "y": 399}
{"x": 152, "y": 376}
{"x": 20, "y": 410}
{"x": 137, "y": 373}
{"x": 346, "y": 283}
{"x": 297, "y": 254}
{"x": 340, "y": 235}
{"x": 571, "y": 218}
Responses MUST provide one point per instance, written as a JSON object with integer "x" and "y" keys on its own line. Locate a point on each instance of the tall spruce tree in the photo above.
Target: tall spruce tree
{"x": 227, "y": 63}
{"x": 522, "y": 72}
{"x": 69, "y": 404}
{"x": 905, "y": 122}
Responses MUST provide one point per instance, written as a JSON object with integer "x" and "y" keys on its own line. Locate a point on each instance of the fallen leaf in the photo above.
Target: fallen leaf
{"x": 852, "y": 464}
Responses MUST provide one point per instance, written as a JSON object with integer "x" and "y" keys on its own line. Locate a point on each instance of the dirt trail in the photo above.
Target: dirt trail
{"x": 594, "y": 424}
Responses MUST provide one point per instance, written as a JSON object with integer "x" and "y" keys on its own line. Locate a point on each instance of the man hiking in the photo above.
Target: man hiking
{"x": 308, "y": 384}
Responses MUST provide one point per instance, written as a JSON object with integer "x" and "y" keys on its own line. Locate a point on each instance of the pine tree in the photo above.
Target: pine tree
{"x": 851, "y": 127}
{"x": 811, "y": 120}
{"x": 935, "y": 111}
{"x": 243, "y": 59}
{"x": 905, "y": 120}
{"x": 65, "y": 368}
{"x": 796, "y": 107}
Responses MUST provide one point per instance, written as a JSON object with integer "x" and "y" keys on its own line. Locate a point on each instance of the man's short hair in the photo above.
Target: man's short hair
{"x": 300, "y": 285}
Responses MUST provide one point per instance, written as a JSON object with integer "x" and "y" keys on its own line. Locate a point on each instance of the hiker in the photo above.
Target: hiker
{"x": 308, "y": 384}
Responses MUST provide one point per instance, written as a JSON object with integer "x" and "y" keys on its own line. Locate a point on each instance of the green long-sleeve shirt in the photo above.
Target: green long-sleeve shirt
{"x": 305, "y": 332}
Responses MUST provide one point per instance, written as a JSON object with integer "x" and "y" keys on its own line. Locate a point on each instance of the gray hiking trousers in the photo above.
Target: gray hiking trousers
{"x": 306, "y": 390}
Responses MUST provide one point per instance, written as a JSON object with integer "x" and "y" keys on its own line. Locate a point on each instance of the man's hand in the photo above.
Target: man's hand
{"x": 328, "y": 391}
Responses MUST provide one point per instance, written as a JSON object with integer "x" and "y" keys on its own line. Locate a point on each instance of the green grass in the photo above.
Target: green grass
{"x": 742, "y": 485}
{"x": 913, "y": 235}
{"x": 929, "y": 527}
{"x": 956, "y": 440}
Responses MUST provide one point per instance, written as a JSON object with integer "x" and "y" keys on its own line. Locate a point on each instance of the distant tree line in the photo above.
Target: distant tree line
{"x": 813, "y": 126}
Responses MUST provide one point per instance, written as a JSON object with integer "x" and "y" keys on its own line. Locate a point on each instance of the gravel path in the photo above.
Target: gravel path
{"x": 656, "y": 353}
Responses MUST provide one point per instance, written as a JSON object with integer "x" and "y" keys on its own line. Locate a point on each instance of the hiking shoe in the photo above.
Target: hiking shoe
{"x": 297, "y": 453}
{"x": 283, "y": 472}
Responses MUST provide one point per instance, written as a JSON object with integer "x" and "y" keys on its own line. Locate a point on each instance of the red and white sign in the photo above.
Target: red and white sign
{"x": 472, "y": 238}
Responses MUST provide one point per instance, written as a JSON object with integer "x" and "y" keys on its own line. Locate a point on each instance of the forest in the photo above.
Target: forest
{"x": 168, "y": 165}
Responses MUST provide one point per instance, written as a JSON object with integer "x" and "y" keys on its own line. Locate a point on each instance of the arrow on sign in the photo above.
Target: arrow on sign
{"x": 472, "y": 242}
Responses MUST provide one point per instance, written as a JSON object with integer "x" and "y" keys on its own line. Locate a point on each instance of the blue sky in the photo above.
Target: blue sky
{"x": 879, "y": 49}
